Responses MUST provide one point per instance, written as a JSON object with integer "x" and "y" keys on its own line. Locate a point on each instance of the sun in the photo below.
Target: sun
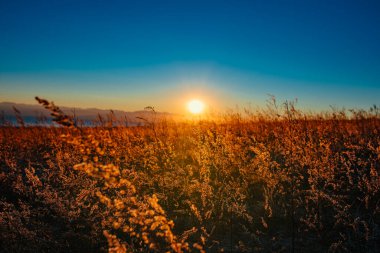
{"x": 195, "y": 106}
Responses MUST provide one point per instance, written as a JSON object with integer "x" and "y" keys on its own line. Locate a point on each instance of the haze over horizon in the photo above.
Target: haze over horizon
{"x": 127, "y": 55}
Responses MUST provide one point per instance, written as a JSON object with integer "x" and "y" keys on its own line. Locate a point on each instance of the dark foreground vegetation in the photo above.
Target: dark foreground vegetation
{"x": 271, "y": 181}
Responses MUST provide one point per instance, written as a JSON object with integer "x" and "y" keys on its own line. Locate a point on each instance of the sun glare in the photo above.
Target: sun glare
{"x": 195, "y": 106}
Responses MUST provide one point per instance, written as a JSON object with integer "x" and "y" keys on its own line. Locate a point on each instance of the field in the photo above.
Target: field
{"x": 274, "y": 180}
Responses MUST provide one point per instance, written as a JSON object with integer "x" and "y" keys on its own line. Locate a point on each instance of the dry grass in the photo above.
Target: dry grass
{"x": 271, "y": 181}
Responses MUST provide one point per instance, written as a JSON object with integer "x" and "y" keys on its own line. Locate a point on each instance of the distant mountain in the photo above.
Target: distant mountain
{"x": 31, "y": 114}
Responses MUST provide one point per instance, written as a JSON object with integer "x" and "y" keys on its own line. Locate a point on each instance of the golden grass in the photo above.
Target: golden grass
{"x": 278, "y": 180}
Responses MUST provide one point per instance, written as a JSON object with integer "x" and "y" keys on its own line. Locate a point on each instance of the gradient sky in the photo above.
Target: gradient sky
{"x": 130, "y": 54}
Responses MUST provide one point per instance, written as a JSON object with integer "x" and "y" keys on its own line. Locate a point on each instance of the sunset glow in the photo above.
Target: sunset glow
{"x": 195, "y": 106}
{"x": 190, "y": 126}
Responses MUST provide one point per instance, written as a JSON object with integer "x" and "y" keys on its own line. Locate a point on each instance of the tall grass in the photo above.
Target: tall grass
{"x": 275, "y": 180}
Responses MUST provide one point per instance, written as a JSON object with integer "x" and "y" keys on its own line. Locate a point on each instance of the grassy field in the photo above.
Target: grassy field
{"x": 276, "y": 180}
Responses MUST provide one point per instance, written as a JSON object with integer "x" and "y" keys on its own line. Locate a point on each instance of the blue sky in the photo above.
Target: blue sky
{"x": 129, "y": 54}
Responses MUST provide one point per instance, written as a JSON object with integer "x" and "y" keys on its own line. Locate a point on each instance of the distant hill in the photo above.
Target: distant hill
{"x": 31, "y": 114}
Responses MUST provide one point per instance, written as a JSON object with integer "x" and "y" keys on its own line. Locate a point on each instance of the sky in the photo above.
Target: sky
{"x": 131, "y": 54}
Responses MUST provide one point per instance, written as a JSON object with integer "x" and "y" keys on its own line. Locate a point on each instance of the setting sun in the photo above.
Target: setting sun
{"x": 195, "y": 106}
